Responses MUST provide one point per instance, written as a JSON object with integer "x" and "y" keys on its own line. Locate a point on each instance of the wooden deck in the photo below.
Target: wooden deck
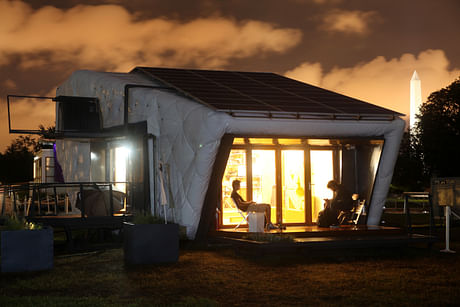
{"x": 307, "y": 239}
{"x": 313, "y": 231}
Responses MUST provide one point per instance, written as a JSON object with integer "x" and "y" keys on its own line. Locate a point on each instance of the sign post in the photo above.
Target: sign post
{"x": 445, "y": 197}
{"x": 447, "y": 216}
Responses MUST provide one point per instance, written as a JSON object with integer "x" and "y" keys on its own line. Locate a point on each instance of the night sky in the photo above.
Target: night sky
{"x": 361, "y": 48}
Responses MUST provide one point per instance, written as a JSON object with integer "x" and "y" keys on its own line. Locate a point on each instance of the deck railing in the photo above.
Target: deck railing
{"x": 61, "y": 199}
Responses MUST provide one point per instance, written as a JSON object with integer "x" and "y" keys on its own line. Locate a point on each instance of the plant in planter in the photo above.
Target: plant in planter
{"x": 148, "y": 240}
{"x": 25, "y": 246}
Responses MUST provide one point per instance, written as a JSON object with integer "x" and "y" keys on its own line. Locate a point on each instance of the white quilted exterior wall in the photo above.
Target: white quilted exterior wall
{"x": 188, "y": 136}
{"x": 76, "y": 155}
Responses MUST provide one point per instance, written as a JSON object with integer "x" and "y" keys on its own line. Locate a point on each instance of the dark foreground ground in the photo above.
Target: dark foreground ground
{"x": 219, "y": 276}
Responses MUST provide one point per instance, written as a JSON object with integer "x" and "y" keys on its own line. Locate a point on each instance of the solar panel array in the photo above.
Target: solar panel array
{"x": 262, "y": 94}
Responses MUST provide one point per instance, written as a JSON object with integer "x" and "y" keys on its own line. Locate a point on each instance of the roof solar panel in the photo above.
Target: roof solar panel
{"x": 262, "y": 94}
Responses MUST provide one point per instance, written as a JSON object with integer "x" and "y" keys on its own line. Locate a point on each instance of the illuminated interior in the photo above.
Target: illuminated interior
{"x": 291, "y": 174}
{"x": 263, "y": 179}
{"x": 236, "y": 169}
{"x": 293, "y": 186}
{"x": 321, "y": 172}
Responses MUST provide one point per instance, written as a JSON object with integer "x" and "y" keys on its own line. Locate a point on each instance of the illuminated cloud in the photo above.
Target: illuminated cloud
{"x": 9, "y": 84}
{"x": 326, "y": 1}
{"x": 350, "y": 22}
{"x": 109, "y": 37}
{"x": 381, "y": 81}
{"x": 43, "y": 114}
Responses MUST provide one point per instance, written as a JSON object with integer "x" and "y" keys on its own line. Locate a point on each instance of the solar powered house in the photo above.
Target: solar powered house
{"x": 179, "y": 137}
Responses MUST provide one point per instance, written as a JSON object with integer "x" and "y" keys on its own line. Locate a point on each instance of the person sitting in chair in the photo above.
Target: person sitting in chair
{"x": 342, "y": 201}
{"x": 250, "y": 205}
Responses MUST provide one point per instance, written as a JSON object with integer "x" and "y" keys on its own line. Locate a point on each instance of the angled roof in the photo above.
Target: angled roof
{"x": 260, "y": 94}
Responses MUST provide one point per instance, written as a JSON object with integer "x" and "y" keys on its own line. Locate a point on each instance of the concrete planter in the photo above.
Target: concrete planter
{"x": 150, "y": 243}
{"x": 27, "y": 250}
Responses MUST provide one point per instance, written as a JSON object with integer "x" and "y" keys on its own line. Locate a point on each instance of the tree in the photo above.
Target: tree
{"x": 438, "y": 132}
{"x": 16, "y": 163}
{"x": 409, "y": 173}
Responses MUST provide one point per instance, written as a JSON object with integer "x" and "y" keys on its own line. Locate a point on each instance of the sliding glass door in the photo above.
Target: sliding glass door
{"x": 264, "y": 179}
{"x": 290, "y": 175}
{"x": 321, "y": 171}
{"x": 293, "y": 186}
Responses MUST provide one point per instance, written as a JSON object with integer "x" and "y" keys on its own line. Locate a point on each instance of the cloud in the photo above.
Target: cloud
{"x": 350, "y": 22}
{"x": 20, "y": 109}
{"x": 381, "y": 81}
{"x": 9, "y": 84}
{"x": 43, "y": 111}
{"x": 326, "y": 1}
{"x": 110, "y": 37}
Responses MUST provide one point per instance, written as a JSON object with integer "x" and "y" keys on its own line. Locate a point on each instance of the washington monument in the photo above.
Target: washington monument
{"x": 415, "y": 98}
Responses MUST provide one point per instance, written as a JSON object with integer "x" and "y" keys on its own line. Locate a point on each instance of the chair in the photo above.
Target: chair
{"x": 351, "y": 217}
{"x": 244, "y": 215}
{"x": 357, "y": 211}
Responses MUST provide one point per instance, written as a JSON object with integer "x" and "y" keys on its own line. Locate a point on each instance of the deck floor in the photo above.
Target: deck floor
{"x": 306, "y": 231}
{"x": 309, "y": 238}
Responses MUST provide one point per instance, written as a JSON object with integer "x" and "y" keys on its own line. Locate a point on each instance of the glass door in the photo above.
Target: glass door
{"x": 264, "y": 179}
{"x": 322, "y": 171}
{"x": 235, "y": 170}
{"x": 293, "y": 186}
{"x": 121, "y": 160}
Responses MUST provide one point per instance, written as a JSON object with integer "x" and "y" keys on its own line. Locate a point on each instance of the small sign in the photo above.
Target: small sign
{"x": 446, "y": 191}
{"x": 445, "y": 196}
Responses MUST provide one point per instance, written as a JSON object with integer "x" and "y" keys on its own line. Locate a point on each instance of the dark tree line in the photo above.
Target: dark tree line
{"x": 432, "y": 148}
{"x": 16, "y": 163}
{"x": 438, "y": 132}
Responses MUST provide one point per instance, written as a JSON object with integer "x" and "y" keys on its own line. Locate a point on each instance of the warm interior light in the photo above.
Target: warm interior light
{"x": 238, "y": 141}
{"x": 321, "y": 173}
{"x": 264, "y": 179}
{"x": 264, "y": 183}
{"x": 261, "y": 141}
{"x": 293, "y": 176}
{"x": 236, "y": 169}
{"x": 290, "y": 141}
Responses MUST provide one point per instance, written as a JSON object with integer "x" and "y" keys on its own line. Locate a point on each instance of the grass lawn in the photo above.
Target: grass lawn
{"x": 220, "y": 277}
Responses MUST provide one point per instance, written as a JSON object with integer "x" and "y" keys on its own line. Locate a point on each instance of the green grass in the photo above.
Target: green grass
{"x": 221, "y": 277}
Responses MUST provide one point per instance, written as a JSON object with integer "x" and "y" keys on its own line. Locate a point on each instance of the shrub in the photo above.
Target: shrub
{"x": 15, "y": 223}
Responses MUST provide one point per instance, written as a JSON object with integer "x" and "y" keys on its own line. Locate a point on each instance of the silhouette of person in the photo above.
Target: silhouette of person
{"x": 250, "y": 205}
{"x": 342, "y": 201}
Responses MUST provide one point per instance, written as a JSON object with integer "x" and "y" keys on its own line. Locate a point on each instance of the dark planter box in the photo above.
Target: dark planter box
{"x": 151, "y": 243}
{"x": 27, "y": 250}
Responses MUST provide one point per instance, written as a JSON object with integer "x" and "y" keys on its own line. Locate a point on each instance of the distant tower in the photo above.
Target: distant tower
{"x": 415, "y": 98}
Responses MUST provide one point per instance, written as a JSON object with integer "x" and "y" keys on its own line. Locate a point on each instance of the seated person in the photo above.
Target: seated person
{"x": 251, "y": 205}
{"x": 342, "y": 201}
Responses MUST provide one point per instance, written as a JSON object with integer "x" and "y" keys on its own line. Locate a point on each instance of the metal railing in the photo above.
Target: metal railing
{"x": 407, "y": 209}
{"x": 55, "y": 199}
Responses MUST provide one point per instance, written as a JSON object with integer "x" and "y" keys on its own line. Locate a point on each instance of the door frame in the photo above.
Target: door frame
{"x": 248, "y": 147}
